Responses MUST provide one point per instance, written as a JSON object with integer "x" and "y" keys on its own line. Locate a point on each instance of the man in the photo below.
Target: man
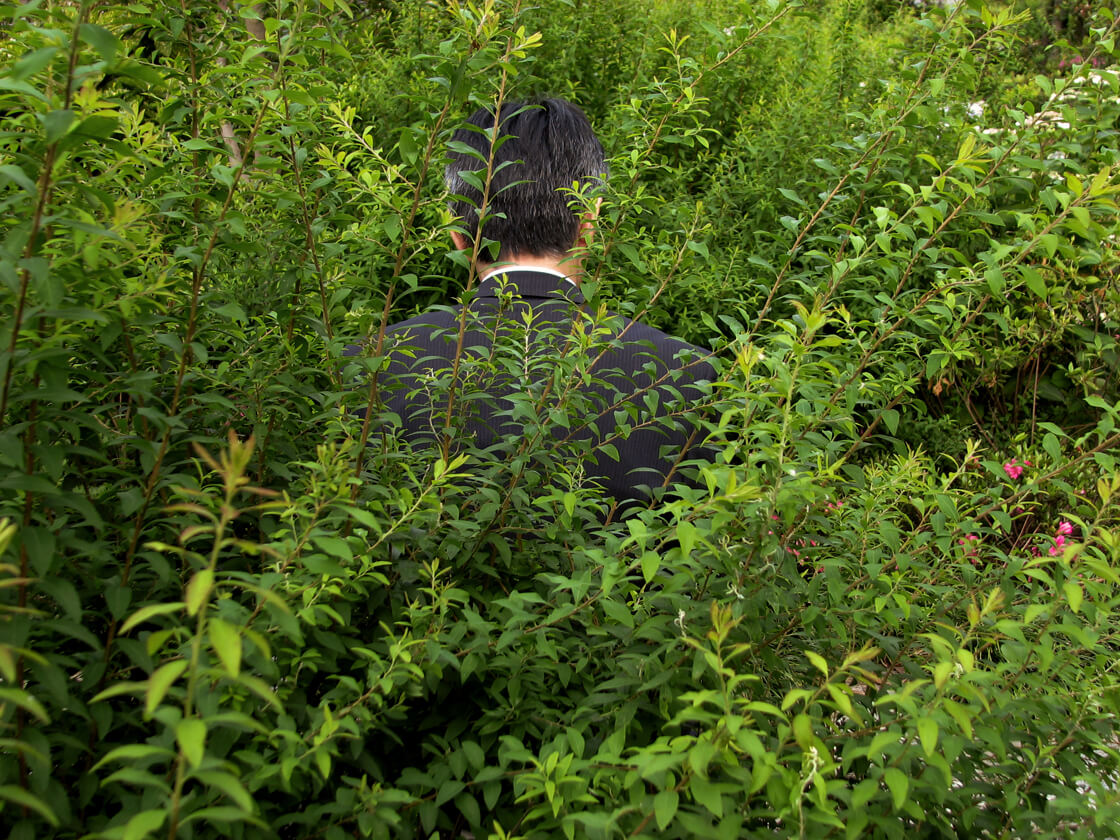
{"x": 524, "y": 369}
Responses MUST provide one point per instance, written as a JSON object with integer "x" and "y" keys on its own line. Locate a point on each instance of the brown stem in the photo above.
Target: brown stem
{"x": 184, "y": 361}
{"x": 309, "y": 236}
{"x": 378, "y": 345}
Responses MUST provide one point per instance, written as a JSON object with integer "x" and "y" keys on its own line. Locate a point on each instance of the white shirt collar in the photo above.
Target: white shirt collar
{"x": 506, "y": 269}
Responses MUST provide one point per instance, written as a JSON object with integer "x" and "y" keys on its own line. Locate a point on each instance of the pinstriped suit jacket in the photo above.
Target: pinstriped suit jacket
{"x": 626, "y": 421}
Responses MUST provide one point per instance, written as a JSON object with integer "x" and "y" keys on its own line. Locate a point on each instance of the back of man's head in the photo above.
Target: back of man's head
{"x": 542, "y": 149}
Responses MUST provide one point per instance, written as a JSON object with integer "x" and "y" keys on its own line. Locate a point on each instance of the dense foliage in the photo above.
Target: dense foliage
{"x": 232, "y": 604}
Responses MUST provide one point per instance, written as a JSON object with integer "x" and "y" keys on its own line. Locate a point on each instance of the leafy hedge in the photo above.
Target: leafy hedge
{"x": 232, "y": 607}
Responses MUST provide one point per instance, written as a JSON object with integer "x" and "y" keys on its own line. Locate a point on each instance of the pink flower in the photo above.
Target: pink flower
{"x": 1056, "y": 548}
{"x": 972, "y": 551}
{"x": 1065, "y": 529}
{"x": 1013, "y": 469}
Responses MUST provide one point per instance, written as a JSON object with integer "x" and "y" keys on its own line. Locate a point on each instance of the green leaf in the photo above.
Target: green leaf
{"x": 863, "y": 793}
{"x": 665, "y": 807}
{"x": 26, "y": 799}
{"x": 686, "y": 535}
{"x": 198, "y": 590}
{"x": 99, "y": 127}
{"x": 191, "y": 735}
{"x": 198, "y": 145}
{"x": 490, "y": 792}
{"x": 102, "y": 40}
{"x": 1074, "y": 594}
{"x": 898, "y": 785}
{"x": 818, "y": 661}
{"x": 803, "y": 731}
{"x": 138, "y": 778}
{"x": 705, "y": 794}
{"x": 143, "y": 824}
{"x": 233, "y": 311}
{"x": 1052, "y": 446}
{"x": 227, "y": 785}
{"x": 700, "y": 756}
{"x": 840, "y": 698}
{"x": 927, "y": 732}
{"x": 880, "y": 741}
{"x": 118, "y": 689}
{"x": 260, "y": 688}
{"x": 650, "y": 564}
{"x": 467, "y": 806}
{"x": 700, "y": 248}
{"x": 890, "y": 419}
{"x": 18, "y": 177}
{"x": 65, "y": 595}
{"x": 19, "y": 697}
{"x": 223, "y": 813}
{"x": 34, "y": 62}
{"x": 57, "y": 122}
{"x": 449, "y": 790}
{"x": 135, "y": 752}
{"x": 140, "y": 72}
{"x": 994, "y": 278}
{"x": 7, "y": 664}
{"x": 226, "y": 640}
{"x": 150, "y": 611}
{"x": 1034, "y": 281}
{"x": 8, "y": 83}
{"x": 476, "y": 758}
{"x": 335, "y": 546}
{"x": 631, "y": 253}
{"x": 160, "y": 681}
{"x": 1049, "y": 242}
{"x": 322, "y": 761}
{"x": 407, "y": 145}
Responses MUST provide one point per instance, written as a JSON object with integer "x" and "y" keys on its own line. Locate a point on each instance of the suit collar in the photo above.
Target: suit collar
{"x": 530, "y": 283}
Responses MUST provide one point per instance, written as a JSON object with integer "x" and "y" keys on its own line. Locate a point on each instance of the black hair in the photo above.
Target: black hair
{"x": 542, "y": 149}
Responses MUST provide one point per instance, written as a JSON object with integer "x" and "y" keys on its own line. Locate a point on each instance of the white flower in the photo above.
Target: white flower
{"x": 680, "y": 620}
{"x": 976, "y": 109}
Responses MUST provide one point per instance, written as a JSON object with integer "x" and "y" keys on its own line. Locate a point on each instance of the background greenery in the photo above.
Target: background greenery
{"x": 229, "y": 607}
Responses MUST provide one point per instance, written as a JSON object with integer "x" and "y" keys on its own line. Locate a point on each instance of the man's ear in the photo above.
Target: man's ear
{"x": 459, "y": 241}
{"x": 587, "y": 226}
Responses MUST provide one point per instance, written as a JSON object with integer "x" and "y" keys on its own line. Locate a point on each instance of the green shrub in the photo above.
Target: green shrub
{"x": 232, "y": 607}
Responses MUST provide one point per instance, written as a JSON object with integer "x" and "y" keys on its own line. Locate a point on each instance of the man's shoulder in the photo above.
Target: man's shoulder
{"x": 640, "y": 339}
{"x": 439, "y": 318}
{"x": 422, "y": 326}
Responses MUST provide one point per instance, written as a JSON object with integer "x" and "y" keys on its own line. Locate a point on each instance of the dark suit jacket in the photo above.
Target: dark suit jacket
{"x": 532, "y": 368}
